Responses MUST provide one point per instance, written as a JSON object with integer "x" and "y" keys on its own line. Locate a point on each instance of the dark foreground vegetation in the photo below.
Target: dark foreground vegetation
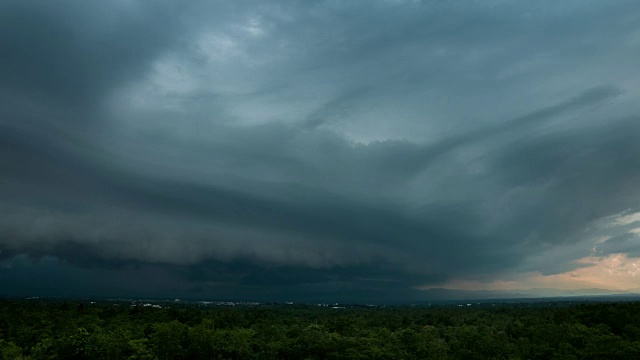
{"x": 37, "y": 329}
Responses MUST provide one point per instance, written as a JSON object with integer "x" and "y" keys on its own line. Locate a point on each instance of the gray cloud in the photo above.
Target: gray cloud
{"x": 628, "y": 243}
{"x": 336, "y": 149}
{"x": 72, "y": 52}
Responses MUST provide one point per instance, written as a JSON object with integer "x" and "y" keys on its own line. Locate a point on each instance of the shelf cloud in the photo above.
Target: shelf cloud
{"x": 275, "y": 149}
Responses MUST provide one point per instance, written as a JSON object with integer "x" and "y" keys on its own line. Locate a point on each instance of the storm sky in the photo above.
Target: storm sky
{"x": 318, "y": 149}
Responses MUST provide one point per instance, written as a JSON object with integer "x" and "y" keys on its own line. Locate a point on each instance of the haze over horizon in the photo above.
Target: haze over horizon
{"x": 326, "y": 149}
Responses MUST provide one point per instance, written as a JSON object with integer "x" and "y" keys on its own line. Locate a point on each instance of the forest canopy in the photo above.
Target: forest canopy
{"x": 40, "y": 329}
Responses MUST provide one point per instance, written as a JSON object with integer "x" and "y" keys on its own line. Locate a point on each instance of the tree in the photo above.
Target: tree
{"x": 168, "y": 340}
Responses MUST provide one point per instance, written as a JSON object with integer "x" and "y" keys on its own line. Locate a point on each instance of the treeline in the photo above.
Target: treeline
{"x": 32, "y": 329}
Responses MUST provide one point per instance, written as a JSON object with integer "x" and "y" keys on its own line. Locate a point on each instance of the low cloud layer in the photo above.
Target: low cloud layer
{"x": 346, "y": 149}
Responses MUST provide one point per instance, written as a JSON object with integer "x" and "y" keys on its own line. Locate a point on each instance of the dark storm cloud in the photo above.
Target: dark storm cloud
{"x": 73, "y": 52}
{"x": 585, "y": 174}
{"x": 344, "y": 148}
{"x": 628, "y": 243}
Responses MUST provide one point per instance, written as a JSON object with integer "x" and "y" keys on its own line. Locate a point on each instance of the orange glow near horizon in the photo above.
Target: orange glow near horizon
{"x": 613, "y": 272}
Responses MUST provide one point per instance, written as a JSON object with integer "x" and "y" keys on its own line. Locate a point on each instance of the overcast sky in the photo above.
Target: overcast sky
{"x": 308, "y": 149}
